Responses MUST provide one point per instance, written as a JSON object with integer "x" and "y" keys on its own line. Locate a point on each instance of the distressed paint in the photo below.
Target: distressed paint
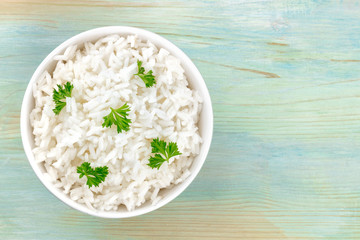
{"x": 284, "y": 79}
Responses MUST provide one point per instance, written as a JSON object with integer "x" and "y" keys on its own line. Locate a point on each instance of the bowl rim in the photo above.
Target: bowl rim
{"x": 100, "y": 32}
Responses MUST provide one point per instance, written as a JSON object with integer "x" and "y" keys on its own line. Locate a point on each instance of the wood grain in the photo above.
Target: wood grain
{"x": 284, "y": 80}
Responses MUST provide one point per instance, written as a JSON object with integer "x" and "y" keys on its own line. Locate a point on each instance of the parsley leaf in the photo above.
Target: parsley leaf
{"x": 148, "y": 78}
{"x": 156, "y": 161}
{"x": 61, "y": 94}
{"x": 163, "y": 152}
{"x": 94, "y": 176}
{"x": 119, "y": 118}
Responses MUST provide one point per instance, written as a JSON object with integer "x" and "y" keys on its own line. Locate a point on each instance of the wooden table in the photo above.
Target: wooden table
{"x": 284, "y": 77}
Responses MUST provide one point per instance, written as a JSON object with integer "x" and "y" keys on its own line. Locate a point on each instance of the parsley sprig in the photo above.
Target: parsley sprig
{"x": 119, "y": 118}
{"x": 163, "y": 152}
{"x": 94, "y": 175}
{"x": 59, "y": 96}
{"x": 148, "y": 78}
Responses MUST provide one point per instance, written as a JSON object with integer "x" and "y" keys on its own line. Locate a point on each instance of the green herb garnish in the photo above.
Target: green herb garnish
{"x": 119, "y": 118}
{"x": 148, "y": 78}
{"x": 163, "y": 152}
{"x": 94, "y": 176}
{"x": 61, "y": 94}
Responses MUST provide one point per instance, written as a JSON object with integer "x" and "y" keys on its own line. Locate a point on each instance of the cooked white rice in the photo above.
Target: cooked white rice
{"x": 103, "y": 76}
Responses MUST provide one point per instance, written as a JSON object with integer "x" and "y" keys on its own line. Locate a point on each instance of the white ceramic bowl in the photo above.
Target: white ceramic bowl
{"x": 195, "y": 80}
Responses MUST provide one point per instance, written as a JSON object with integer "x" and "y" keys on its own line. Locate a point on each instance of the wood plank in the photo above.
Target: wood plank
{"x": 284, "y": 81}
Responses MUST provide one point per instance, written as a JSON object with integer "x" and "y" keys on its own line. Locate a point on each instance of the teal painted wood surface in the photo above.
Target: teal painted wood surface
{"x": 284, "y": 79}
